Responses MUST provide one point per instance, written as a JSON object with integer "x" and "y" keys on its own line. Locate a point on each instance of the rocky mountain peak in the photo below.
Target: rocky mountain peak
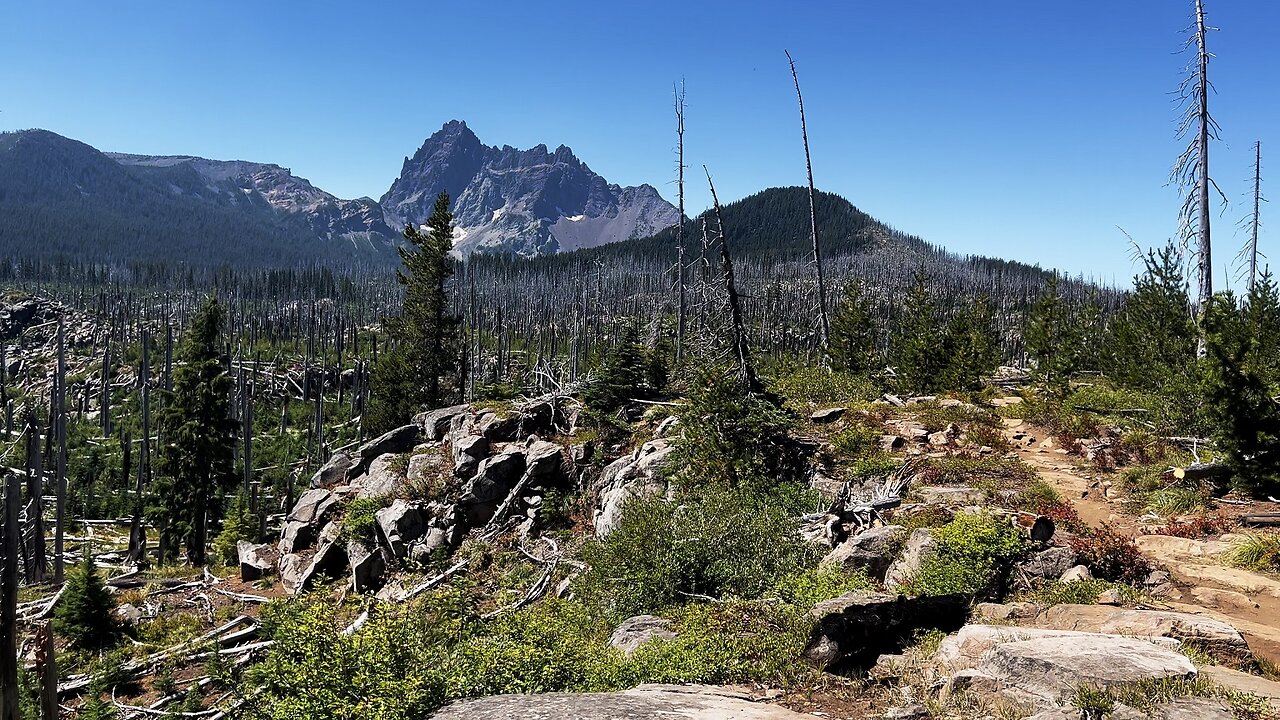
{"x": 526, "y": 202}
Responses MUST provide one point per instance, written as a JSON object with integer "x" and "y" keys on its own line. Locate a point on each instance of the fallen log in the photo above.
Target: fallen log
{"x": 1216, "y": 472}
{"x": 1261, "y": 520}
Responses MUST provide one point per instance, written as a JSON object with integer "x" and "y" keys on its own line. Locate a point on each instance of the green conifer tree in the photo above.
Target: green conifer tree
{"x": 919, "y": 355}
{"x": 1153, "y": 337}
{"x": 1243, "y": 414}
{"x": 622, "y": 375}
{"x": 84, "y": 615}
{"x": 424, "y": 368}
{"x": 238, "y": 524}
{"x": 971, "y": 352}
{"x": 853, "y": 346}
{"x": 197, "y": 458}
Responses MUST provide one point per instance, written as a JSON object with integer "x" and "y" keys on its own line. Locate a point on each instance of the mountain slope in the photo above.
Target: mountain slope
{"x": 523, "y": 202}
{"x": 62, "y": 198}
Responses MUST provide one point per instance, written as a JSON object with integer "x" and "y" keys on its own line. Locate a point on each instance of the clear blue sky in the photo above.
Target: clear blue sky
{"x": 1026, "y": 129}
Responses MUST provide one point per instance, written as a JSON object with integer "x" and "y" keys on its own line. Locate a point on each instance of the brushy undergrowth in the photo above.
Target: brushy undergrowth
{"x": 973, "y": 553}
{"x": 1084, "y": 592}
{"x": 1111, "y": 555}
{"x": 1095, "y": 702}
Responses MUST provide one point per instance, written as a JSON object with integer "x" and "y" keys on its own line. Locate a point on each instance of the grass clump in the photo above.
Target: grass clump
{"x": 1176, "y": 501}
{"x": 973, "y": 553}
{"x": 1146, "y": 694}
{"x": 1256, "y": 551}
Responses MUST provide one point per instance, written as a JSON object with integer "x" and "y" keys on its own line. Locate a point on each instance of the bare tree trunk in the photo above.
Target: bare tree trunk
{"x": 60, "y": 427}
{"x": 1257, "y": 208}
{"x": 9, "y": 601}
{"x": 1206, "y": 259}
{"x": 682, "y": 320}
{"x": 824, "y": 323}
{"x": 47, "y": 667}
{"x": 35, "y": 502}
{"x": 742, "y": 352}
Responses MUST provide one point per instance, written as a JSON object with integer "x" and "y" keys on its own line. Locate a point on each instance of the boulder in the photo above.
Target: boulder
{"x": 856, "y": 628}
{"x": 647, "y": 702}
{"x": 435, "y": 424}
{"x": 336, "y": 471}
{"x": 627, "y": 477}
{"x": 1046, "y": 668}
{"x": 302, "y": 524}
{"x": 468, "y": 451}
{"x": 393, "y": 442}
{"x": 368, "y": 566}
{"x": 399, "y": 525}
{"x": 1076, "y": 573}
{"x": 1007, "y": 611}
{"x": 920, "y": 546}
{"x": 965, "y": 649}
{"x": 1189, "y": 708}
{"x": 636, "y": 631}
{"x": 496, "y": 428}
{"x": 892, "y": 442}
{"x": 1243, "y": 682}
{"x": 1214, "y": 636}
{"x": 666, "y": 427}
{"x": 542, "y": 459}
{"x": 380, "y": 480}
{"x": 444, "y": 529}
{"x": 330, "y": 559}
{"x": 256, "y": 561}
{"x": 872, "y": 550}
{"x": 1224, "y": 599}
{"x": 493, "y": 481}
{"x": 1048, "y": 564}
{"x": 827, "y": 415}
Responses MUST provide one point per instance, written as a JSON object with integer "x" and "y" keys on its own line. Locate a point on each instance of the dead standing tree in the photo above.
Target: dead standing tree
{"x": 1248, "y": 255}
{"x": 682, "y": 320}
{"x": 824, "y": 324}
{"x": 741, "y": 351}
{"x": 1191, "y": 172}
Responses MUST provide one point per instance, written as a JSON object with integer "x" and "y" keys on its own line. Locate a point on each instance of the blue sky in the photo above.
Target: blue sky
{"x": 1027, "y": 129}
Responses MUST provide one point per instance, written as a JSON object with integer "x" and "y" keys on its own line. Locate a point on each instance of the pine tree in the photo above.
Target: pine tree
{"x": 853, "y": 332}
{"x": 1153, "y": 337}
{"x": 424, "y": 369}
{"x": 1262, "y": 317}
{"x": 1244, "y": 415}
{"x": 970, "y": 347}
{"x": 84, "y": 614}
{"x": 197, "y": 458}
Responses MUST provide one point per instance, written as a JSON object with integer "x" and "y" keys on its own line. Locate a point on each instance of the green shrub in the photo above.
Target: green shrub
{"x": 1257, "y": 551}
{"x": 1084, "y": 592}
{"x": 720, "y": 643}
{"x": 723, "y": 544}
{"x": 807, "y": 384}
{"x": 856, "y": 442}
{"x": 361, "y": 520}
{"x": 809, "y": 587}
{"x": 973, "y": 552}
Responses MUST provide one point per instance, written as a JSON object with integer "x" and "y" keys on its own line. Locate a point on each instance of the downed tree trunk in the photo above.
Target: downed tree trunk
{"x": 1261, "y": 520}
{"x": 1217, "y": 472}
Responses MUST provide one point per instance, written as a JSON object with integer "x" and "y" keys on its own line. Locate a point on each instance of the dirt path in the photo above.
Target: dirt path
{"x": 1249, "y": 601}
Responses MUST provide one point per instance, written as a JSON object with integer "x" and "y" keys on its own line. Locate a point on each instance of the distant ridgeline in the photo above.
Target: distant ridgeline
{"x": 531, "y": 310}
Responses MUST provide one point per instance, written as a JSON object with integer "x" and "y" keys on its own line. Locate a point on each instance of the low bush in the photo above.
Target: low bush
{"x": 987, "y": 472}
{"x": 721, "y": 544}
{"x": 801, "y": 386}
{"x": 810, "y": 587}
{"x": 361, "y": 519}
{"x": 1112, "y": 555}
{"x": 1194, "y": 527}
{"x": 973, "y": 553}
{"x": 1084, "y": 592}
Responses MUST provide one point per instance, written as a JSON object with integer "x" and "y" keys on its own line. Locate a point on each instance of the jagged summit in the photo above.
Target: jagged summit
{"x": 527, "y": 202}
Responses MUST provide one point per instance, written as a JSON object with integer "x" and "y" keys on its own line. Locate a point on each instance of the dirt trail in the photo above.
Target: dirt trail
{"x": 1249, "y": 601}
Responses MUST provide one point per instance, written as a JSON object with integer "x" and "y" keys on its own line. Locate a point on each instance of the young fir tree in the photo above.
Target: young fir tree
{"x": 424, "y": 368}
{"x": 852, "y": 346}
{"x": 918, "y": 355}
{"x": 238, "y": 524}
{"x": 196, "y": 462}
{"x": 1153, "y": 337}
{"x": 622, "y": 375}
{"x": 84, "y": 614}
{"x": 1242, "y": 412}
{"x": 1262, "y": 317}
{"x": 970, "y": 346}
{"x": 1048, "y": 338}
